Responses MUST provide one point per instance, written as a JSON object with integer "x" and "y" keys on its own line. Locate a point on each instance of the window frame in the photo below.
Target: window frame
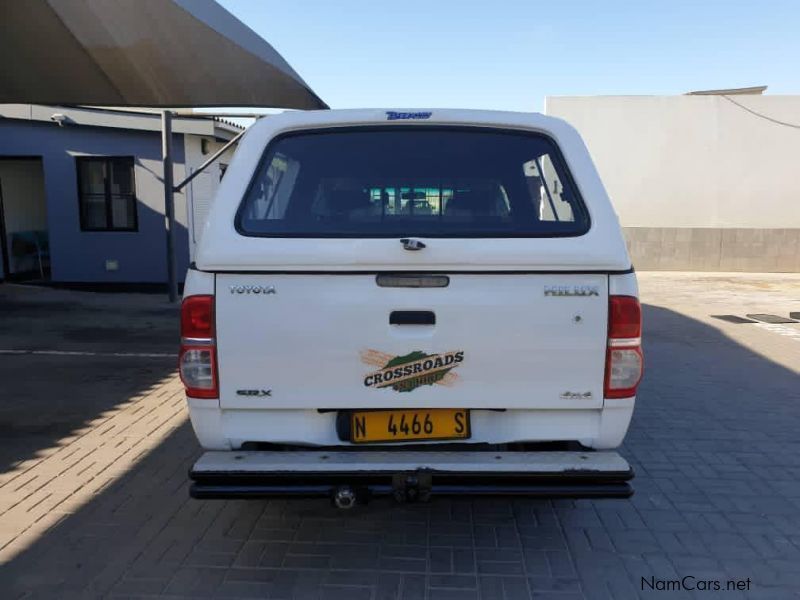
{"x": 107, "y": 195}
{"x": 557, "y": 158}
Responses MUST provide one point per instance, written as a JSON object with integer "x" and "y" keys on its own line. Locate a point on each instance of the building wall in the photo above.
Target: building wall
{"x": 202, "y": 189}
{"x": 78, "y": 256}
{"x": 698, "y": 182}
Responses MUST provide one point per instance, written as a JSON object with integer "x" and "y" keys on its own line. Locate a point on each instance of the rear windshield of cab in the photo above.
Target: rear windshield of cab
{"x": 415, "y": 181}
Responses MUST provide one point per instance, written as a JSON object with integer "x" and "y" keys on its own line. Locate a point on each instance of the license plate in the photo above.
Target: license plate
{"x": 404, "y": 425}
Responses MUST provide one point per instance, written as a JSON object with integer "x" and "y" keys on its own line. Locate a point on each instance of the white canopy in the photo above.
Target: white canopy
{"x": 160, "y": 53}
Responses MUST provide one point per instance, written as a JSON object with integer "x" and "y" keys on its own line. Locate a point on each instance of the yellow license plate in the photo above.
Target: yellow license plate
{"x": 404, "y": 425}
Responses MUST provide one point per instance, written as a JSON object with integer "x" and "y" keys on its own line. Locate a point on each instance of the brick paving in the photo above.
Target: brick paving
{"x": 93, "y": 498}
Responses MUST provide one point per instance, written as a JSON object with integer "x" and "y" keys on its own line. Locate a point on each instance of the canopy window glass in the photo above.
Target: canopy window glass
{"x": 106, "y": 191}
{"x": 420, "y": 181}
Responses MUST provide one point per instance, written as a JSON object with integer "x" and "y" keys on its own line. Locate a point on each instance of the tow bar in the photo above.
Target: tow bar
{"x": 412, "y": 487}
{"x": 351, "y": 477}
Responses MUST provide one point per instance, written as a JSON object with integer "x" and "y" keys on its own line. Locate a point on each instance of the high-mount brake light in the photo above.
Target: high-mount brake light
{"x": 624, "y": 360}
{"x": 198, "y": 355}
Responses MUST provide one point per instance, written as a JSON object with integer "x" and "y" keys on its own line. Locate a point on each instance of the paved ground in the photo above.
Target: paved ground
{"x": 94, "y": 451}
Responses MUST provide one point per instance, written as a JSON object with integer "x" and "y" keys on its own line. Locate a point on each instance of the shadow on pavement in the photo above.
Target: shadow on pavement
{"x": 714, "y": 442}
{"x": 49, "y": 397}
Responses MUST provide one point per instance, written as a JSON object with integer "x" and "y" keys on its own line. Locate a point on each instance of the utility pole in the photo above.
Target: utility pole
{"x": 169, "y": 203}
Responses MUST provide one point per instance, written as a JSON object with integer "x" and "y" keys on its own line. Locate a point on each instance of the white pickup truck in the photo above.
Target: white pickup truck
{"x": 411, "y": 303}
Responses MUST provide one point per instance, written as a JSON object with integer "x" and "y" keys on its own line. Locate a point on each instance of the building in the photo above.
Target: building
{"x": 706, "y": 181}
{"x": 81, "y": 192}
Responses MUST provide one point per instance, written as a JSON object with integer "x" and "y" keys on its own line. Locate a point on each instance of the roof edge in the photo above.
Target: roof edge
{"x": 116, "y": 118}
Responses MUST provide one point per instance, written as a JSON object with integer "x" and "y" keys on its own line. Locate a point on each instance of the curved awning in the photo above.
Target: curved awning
{"x": 158, "y": 53}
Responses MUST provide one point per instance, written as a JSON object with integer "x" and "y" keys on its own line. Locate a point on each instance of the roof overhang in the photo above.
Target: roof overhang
{"x": 119, "y": 119}
{"x": 157, "y": 53}
{"x": 745, "y": 91}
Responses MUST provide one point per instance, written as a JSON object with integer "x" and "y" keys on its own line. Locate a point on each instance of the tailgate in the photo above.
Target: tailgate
{"x": 485, "y": 340}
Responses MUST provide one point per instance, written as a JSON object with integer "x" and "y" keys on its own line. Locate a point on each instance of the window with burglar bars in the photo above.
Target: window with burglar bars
{"x": 107, "y": 193}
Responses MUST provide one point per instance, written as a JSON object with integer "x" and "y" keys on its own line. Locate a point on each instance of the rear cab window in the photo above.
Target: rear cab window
{"x": 419, "y": 181}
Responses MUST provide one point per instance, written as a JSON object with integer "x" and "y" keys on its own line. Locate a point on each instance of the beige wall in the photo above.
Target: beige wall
{"x": 699, "y": 163}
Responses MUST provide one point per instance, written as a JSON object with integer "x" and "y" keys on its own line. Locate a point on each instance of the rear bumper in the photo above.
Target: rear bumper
{"x": 600, "y": 429}
{"x": 410, "y": 475}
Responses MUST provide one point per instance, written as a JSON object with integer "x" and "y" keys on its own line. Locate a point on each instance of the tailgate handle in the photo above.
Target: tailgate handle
{"x": 412, "y": 317}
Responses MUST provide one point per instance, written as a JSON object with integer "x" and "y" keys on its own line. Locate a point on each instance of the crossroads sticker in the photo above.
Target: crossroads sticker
{"x": 408, "y": 372}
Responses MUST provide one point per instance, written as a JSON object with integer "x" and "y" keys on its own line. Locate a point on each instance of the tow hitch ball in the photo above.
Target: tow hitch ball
{"x": 344, "y": 497}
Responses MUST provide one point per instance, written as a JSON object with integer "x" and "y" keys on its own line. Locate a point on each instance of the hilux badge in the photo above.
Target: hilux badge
{"x": 571, "y": 290}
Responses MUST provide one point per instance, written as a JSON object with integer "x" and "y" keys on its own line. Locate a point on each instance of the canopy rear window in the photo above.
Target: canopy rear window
{"x": 416, "y": 181}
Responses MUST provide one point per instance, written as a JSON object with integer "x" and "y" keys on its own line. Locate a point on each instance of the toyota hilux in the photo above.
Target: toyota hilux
{"x": 411, "y": 303}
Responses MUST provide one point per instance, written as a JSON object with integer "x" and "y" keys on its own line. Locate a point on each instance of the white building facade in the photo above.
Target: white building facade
{"x": 700, "y": 182}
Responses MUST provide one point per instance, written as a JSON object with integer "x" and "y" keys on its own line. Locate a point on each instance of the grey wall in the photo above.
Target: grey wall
{"x": 698, "y": 182}
{"x": 774, "y": 250}
{"x": 78, "y": 256}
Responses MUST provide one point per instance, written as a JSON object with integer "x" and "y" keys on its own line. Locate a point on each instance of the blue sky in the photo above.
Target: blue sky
{"x": 510, "y": 54}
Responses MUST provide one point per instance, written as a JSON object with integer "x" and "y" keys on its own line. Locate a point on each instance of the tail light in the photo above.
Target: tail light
{"x": 198, "y": 355}
{"x": 624, "y": 360}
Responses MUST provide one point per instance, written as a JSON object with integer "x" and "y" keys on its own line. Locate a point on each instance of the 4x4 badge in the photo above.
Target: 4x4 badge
{"x": 576, "y": 395}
